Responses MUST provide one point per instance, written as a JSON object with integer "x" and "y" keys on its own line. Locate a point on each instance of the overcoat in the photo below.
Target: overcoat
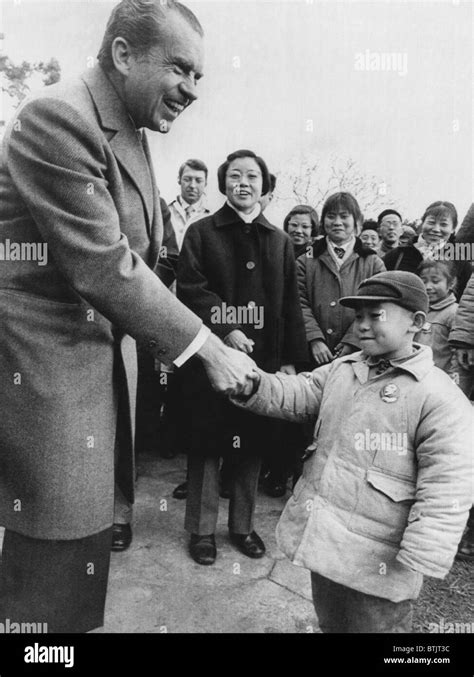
{"x": 226, "y": 265}
{"x": 77, "y": 177}
{"x": 321, "y": 285}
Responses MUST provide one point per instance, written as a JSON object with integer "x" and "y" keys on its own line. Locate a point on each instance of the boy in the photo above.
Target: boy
{"x": 387, "y": 483}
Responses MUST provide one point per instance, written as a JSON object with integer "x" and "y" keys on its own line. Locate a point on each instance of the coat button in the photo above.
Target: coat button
{"x": 250, "y": 265}
{"x": 330, "y": 331}
{"x": 333, "y": 303}
{"x": 251, "y": 304}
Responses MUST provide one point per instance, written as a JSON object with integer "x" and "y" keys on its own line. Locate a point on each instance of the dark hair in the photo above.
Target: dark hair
{"x": 346, "y": 201}
{"x": 304, "y": 209}
{"x": 221, "y": 172}
{"x": 442, "y": 266}
{"x": 273, "y": 182}
{"x": 140, "y": 22}
{"x": 370, "y": 224}
{"x": 197, "y": 165}
{"x": 441, "y": 208}
{"x": 386, "y": 212}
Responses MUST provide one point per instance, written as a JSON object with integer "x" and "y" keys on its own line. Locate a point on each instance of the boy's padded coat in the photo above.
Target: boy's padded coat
{"x": 365, "y": 515}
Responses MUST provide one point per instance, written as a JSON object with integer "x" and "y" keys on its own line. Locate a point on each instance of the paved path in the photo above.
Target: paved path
{"x": 155, "y": 586}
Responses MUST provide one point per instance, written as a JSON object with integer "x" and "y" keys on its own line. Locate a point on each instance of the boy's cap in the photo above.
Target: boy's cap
{"x": 396, "y": 286}
{"x": 387, "y": 212}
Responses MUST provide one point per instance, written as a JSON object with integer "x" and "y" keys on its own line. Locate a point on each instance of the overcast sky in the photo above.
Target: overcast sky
{"x": 293, "y": 79}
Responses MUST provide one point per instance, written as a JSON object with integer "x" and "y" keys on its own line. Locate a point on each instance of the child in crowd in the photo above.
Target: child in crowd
{"x": 439, "y": 281}
{"x": 387, "y": 485}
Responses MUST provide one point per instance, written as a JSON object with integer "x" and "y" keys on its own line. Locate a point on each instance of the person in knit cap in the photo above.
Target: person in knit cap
{"x": 386, "y": 485}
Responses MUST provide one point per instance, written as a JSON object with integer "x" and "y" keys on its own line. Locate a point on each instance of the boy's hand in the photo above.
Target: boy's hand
{"x": 251, "y": 387}
{"x": 321, "y": 353}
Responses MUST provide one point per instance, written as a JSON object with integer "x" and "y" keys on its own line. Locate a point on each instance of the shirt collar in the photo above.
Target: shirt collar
{"x": 247, "y": 218}
{"x": 348, "y": 249}
{"x": 418, "y": 364}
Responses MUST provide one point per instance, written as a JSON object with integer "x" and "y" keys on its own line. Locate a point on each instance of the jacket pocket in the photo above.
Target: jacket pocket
{"x": 382, "y": 508}
{"x": 394, "y": 487}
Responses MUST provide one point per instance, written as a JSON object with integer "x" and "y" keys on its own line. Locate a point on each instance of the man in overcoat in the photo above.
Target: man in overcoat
{"x": 76, "y": 182}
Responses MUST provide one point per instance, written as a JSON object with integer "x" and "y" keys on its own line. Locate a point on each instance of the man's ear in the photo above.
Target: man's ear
{"x": 419, "y": 319}
{"x": 121, "y": 55}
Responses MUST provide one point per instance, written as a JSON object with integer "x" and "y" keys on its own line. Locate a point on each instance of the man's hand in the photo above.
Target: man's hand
{"x": 465, "y": 357}
{"x": 288, "y": 369}
{"x": 321, "y": 353}
{"x": 230, "y": 371}
{"x": 239, "y": 341}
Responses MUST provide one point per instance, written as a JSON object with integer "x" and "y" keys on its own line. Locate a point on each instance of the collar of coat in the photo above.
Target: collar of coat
{"x": 128, "y": 144}
{"x": 225, "y": 216}
{"x": 418, "y": 366}
{"x": 320, "y": 246}
{"x": 110, "y": 108}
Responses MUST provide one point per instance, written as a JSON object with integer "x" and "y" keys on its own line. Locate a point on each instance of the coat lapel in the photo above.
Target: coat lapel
{"x": 126, "y": 144}
{"x": 156, "y": 234}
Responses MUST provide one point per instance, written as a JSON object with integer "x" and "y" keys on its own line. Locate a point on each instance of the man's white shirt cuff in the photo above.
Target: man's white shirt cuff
{"x": 196, "y": 344}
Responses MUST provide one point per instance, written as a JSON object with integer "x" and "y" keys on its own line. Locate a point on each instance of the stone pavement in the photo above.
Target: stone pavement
{"x": 155, "y": 586}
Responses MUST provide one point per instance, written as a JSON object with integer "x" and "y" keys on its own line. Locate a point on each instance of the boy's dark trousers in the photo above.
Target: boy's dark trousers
{"x": 343, "y": 609}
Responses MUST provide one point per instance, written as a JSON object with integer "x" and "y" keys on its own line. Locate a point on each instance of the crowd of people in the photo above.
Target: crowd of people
{"x": 272, "y": 351}
{"x": 305, "y": 328}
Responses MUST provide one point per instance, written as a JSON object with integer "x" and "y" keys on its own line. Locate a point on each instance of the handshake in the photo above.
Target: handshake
{"x": 231, "y": 371}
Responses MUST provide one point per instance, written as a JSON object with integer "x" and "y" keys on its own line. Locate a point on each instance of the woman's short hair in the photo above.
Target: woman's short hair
{"x": 222, "y": 171}
{"x": 441, "y": 208}
{"x": 304, "y": 209}
{"x": 342, "y": 200}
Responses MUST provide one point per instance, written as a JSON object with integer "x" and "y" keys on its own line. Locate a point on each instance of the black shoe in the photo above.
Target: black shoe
{"x": 121, "y": 537}
{"x": 203, "y": 549}
{"x": 466, "y": 548}
{"x": 249, "y": 544}
{"x": 181, "y": 491}
{"x": 274, "y": 487}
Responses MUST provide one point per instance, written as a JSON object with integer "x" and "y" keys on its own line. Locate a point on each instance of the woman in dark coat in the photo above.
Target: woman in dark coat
{"x": 237, "y": 272}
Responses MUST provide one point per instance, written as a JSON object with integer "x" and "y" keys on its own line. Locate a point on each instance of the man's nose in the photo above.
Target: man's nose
{"x": 188, "y": 89}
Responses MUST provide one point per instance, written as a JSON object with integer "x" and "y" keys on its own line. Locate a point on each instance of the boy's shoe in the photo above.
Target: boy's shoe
{"x": 466, "y": 548}
{"x": 203, "y": 549}
{"x": 250, "y": 545}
